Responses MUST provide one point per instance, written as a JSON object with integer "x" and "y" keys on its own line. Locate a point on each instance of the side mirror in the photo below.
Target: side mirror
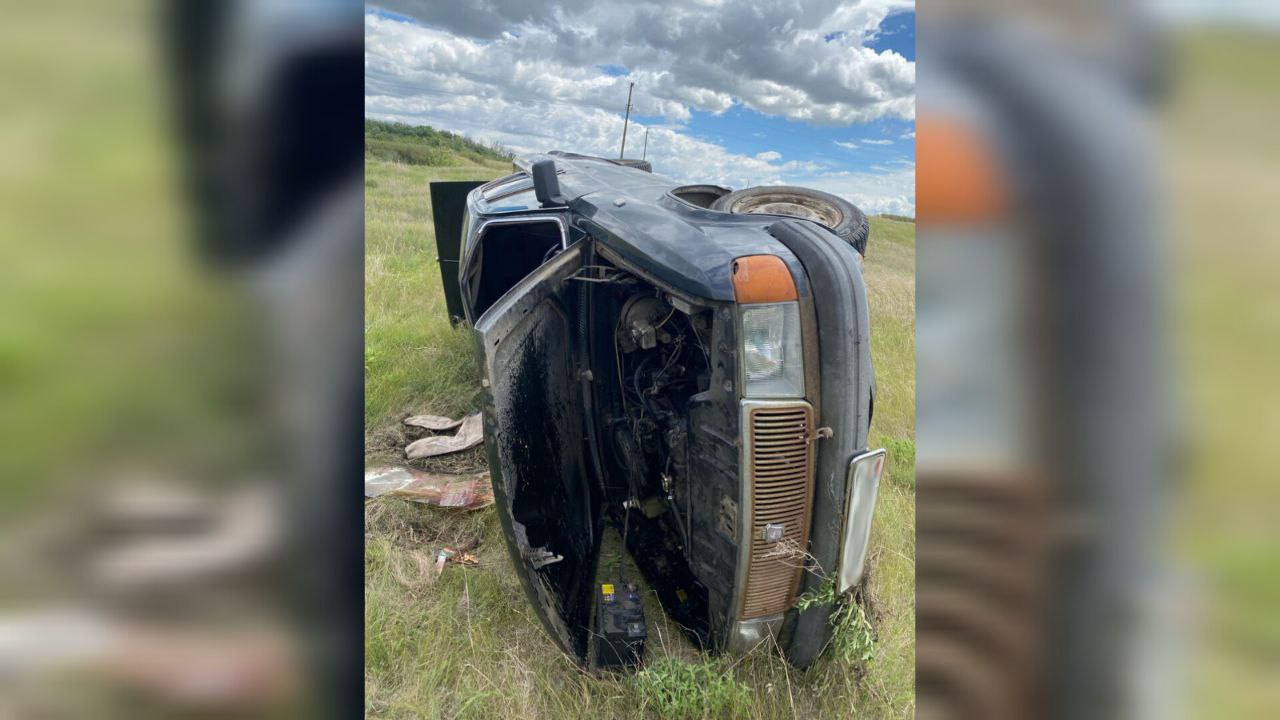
{"x": 546, "y": 185}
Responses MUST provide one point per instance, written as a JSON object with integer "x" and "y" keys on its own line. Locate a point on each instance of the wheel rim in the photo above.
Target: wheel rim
{"x": 794, "y": 205}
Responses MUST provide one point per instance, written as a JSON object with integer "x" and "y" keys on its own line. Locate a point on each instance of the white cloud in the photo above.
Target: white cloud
{"x": 893, "y": 191}
{"x": 532, "y": 77}
{"x": 908, "y": 135}
{"x": 878, "y": 142}
{"x": 770, "y": 56}
{"x": 847, "y": 145}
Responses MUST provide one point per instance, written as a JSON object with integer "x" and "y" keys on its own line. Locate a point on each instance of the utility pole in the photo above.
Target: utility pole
{"x": 645, "y": 153}
{"x": 625, "y": 120}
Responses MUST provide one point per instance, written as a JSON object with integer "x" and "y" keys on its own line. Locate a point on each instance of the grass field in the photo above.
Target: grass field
{"x": 1222, "y": 177}
{"x": 466, "y": 644}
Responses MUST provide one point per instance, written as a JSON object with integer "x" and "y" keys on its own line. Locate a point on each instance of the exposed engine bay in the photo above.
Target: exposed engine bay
{"x": 662, "y": 369}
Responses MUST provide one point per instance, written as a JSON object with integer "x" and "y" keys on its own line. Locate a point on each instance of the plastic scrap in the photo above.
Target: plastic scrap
{"x": 470, "y": 433}
{"x": 468, "y": 492}
{"x": 379, "y": 481}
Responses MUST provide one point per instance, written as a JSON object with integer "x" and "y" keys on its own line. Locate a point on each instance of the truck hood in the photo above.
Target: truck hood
{"x": 633, "y": 213}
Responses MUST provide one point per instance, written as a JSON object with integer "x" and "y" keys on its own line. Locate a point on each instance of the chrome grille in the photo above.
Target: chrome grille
{"x": 779, "y": 492}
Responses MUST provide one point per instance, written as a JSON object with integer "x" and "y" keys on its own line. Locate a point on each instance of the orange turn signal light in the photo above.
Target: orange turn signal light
{"x": 958, "y": 181}
{"x": 762, "y": 279}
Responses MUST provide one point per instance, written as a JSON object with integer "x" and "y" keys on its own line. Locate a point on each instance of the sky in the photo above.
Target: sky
{"x": 1247, "y": 13}
{"x": 801, "y": 92}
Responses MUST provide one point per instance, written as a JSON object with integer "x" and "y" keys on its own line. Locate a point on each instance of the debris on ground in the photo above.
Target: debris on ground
{"x": 470, "y": 433}
{"x": 467, "y": 462}
{"x": 382, "y": 480}
{"x": 438, "y": 423}
{"x": 456, "y": 556}
{"x": 470, "y": 492}
{"x": 182, "y": 540}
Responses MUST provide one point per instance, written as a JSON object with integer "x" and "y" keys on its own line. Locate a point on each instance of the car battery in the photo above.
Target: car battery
{"x": 620, "y": 627}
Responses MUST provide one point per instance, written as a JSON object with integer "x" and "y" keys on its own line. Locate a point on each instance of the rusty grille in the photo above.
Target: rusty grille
{"x": 780, "y": 488}
{"x": 981, "y": 544}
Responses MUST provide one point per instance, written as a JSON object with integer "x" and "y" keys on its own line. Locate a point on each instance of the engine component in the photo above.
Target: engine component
{"x": 620, "y": 626}
{"x": 640, "y": 327}
{"x": 662, "y": 363}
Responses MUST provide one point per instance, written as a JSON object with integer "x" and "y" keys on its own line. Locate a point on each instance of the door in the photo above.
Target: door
{"x": 534, "y": 436}
{"x": 448, "y": 211}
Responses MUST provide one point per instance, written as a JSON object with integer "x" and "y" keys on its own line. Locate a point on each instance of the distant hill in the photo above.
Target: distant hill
{"x": 423, "y": 145}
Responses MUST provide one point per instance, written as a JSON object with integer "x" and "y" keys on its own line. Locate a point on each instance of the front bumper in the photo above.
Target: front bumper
{"x": 863, "y": 482}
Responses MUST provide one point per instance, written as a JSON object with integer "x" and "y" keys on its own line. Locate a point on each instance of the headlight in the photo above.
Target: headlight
{"x": 863, "y": 486}
{"x": 773, "y": 362}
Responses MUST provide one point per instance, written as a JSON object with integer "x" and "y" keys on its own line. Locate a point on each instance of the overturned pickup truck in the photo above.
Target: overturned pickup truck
{"x": 686, "y": 365}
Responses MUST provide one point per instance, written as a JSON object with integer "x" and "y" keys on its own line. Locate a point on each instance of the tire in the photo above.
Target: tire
{"x": 837, "y": 214}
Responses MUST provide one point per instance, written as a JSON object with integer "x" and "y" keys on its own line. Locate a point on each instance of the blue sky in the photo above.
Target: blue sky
{"x": 732, "y": 94}
{"x": 897, "y": 33}
{"x": 742, "y": 130}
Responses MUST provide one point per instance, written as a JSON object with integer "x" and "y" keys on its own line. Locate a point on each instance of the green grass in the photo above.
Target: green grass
{"x": 677, "y": 689}
{"x": 414, "y": 359}
{"x": 1223, "y": 178}
{"x": 420, "y": 145}
{"x": 468, "y": 645}
{"x": 117, "y": 351}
